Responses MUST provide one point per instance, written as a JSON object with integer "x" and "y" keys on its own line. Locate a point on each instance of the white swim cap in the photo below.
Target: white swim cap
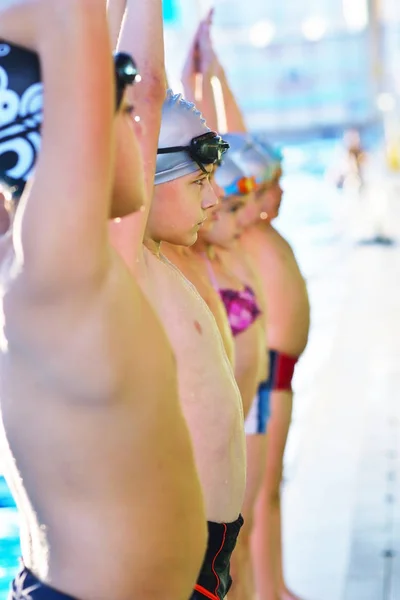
{"x": 249, "y": 157}
{"x": 274, "y": 155}
{"x": 181, "y": 122}
{"x": 232, "y": 178}
{"x": 228, "y": 172}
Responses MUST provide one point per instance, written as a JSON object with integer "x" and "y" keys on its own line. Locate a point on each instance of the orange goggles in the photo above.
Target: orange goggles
{"x": 241, "y": 187}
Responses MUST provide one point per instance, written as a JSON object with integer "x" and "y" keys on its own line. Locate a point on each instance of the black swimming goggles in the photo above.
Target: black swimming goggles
{"x": 126, "y": 73}
{"x": 206, "y": 149}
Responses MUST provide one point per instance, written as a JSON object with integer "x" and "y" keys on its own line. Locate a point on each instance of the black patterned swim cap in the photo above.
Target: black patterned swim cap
{"x": 21, "y": 115}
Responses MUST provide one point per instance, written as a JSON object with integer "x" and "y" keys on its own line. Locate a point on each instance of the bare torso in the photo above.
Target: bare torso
{"x": 284, "y": 287}
{"x": 194, "y": 268}
{"x": 93, "y": 438}
{"x": 209, "y": 395}
{"x": 232, "y": 271}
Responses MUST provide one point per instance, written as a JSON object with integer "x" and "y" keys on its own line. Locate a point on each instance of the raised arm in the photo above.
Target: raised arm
{"x": 199, "y": 72}
{"x": 217, "y": 103}
{"x": 142, "y": 36}
{"x": 192, "y": 69}
{"x": 61, "y": 224}
{"x": 116, "y": 11}
{"x": 234, "y": 116}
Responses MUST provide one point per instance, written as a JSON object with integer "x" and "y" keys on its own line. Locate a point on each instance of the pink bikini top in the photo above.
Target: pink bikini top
{"x": 241, "y": 305}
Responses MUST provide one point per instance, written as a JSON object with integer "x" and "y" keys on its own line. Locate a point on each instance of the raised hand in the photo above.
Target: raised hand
{"x": 201, "y": 58}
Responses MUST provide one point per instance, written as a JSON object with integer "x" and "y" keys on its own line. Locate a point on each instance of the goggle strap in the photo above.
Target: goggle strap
{"x": 201, "y": 166}
{"x": 173, "y": 149}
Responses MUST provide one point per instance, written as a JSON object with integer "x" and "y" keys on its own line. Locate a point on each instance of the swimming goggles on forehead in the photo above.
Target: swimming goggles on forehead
{"x": 241, "y": 187}
{"x": 126, "y": 73}
{"x": 206, "y": 149}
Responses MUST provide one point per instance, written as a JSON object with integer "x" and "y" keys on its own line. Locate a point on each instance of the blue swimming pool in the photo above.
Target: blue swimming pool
{"x": 9, "y": 540}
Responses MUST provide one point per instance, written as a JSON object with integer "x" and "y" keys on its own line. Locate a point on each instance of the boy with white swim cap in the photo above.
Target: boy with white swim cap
{"x": 187, "y": 154}
{"x": 180, "y": 162}
{"x": 276, "y": 266}
{"x": 287, "y": 332}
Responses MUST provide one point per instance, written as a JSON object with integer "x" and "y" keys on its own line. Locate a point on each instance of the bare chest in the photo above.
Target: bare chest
{"x": 203, "y": 366}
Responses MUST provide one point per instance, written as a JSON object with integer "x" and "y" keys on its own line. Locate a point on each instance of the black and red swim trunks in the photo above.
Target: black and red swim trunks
{"x": 215, "y": 579}
{"x": 213, "y": 583}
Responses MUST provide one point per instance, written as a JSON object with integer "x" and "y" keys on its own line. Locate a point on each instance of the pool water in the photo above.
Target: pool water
{"x": 9, "y": 539}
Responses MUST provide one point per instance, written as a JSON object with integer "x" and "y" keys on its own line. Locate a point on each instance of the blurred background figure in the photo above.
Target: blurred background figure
{"x": 348, "y": 169}
{"x": 356, "y": 156}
